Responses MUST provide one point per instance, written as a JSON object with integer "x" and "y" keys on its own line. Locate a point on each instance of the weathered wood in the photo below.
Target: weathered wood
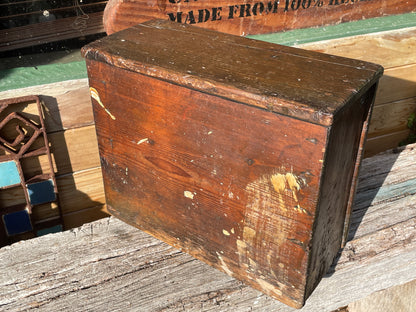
{"x": 209, "y": 138}
{"x": 395, "y": 99}
{"x": 110, "y": 265}
{"x": 249, "y": 17}
{"x": 380, "y": 143}
{"x": 60, "y": 29}
{"x": 390, "y": 49}
{"x": 391, "y": 117}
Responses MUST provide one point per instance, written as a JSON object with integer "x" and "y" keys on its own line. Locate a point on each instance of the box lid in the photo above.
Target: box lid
{"x": 302, "y": 84}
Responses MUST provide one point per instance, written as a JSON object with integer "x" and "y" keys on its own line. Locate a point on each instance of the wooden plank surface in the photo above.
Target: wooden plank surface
{"x": 395, "y": 99}
{"x": 108, "y": 265}
{"x": 60, "y": 29}
{"x": 249, "y": 17}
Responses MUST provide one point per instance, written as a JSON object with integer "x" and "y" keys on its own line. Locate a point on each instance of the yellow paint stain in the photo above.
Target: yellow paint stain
{"x": 279, "y": 182}
{"x": 232, "y": 230}
{"x": 283, "y": 182}
{"x": 96, "y": 96}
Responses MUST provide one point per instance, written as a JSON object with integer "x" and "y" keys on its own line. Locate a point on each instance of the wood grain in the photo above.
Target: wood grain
{"x": 133, "y": 271}
{"x": 67, "y": 28}
{"x": 249, "y": 17}
{"x": 390, "y": 49}
{"x": 391, "y": 117}
{"x": 192, "y": 146}
{"x": 208, "y": 67}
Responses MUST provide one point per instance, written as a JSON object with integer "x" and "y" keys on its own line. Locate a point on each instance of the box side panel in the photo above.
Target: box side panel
{"x": 231, "y": 184}
{"x": 341, "y": 165}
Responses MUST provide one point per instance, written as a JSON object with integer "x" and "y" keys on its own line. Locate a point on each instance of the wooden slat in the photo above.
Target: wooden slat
{"x": 382, "y": 143}
{"x": 68, "y": 103}
{"x": 133, "y": 271}
{"x": 391, "y": 117}
{"x": 72, "y": 150}
{"x": 389, "y": 49}
{"x": 398, "y": 83}
{"x": 78, "y": 218}
{"x": 60, "y": 29}
{"x": 81, "y": 190}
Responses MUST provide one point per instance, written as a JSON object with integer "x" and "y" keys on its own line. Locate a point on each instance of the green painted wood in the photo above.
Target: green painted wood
{"x": 21, "y": 77}
{"x": 373, "y": 25}
{"x": 30, "y": 76}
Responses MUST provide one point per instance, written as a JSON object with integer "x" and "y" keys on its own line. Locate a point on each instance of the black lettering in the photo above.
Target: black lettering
{"x": 271, "y": 7}
{"x": 287, "y": 2}
{"x": 216, "y": 14}
{"x": 203, "y": 15}
{"x": 175, "y": 17}
{"x": 232, "y": 11}
{"x": 190, "y": 18}
{"x": 258, "y": 7}
{"x": 245, "y": 9}
{"x": 295, "y": 4}
{"x": 306, "y": 4}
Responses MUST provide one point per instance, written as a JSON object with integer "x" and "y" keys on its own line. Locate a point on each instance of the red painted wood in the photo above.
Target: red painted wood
{"x": 250, "y": 16}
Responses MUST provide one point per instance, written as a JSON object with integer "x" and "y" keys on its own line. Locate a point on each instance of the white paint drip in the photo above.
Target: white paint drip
{"x": 142, "y": 141}
{"x": 188, "y": 194}
{"x": 96, "y": 96}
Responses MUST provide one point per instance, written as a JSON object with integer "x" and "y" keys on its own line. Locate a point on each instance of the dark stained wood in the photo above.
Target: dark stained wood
{"x": 235, "y": 162}
{"x": 277, "y": 78}
{"x": 249, "y": 17}
{"x": 60, "y": 29}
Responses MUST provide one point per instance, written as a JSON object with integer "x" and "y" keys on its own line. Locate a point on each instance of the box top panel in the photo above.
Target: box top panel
{"x": 302, "y": 84}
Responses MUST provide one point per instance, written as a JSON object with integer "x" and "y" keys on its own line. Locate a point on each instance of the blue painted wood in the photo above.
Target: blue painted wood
{"x": 9, "y": 175}
{"x": 17, "y": 222}
{"x": 41, "y": 192}
{"x": 49, "y": 230}
{"x": 388, "y": 192}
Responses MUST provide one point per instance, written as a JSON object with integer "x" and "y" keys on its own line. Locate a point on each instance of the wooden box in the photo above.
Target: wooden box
{"x": 241, "y": 153}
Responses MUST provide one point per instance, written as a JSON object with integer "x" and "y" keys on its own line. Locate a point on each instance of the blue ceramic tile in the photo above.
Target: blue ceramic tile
{"x": 17, "y": 222}
{"x": 41, "y": 192}
{"x": 49, "y": 230}
{"x": 9, "y": 175}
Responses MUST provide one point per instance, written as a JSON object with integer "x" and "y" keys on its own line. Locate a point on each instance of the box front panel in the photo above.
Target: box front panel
{"x": 231, "y": 184}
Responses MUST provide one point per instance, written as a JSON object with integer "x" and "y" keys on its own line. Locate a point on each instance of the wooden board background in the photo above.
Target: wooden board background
{"x": 71, "y": 132}
{"x": 250, "y": 16}
{"x": 396, "y": 96}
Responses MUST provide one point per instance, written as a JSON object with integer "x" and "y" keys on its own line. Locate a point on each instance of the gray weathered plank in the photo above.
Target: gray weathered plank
{"x": 108, "y": 265}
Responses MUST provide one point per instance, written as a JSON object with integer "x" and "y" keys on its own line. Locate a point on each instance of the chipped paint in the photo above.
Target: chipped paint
{"x": 226, "y": 233}
{"x": 96, "y": 96}
{"x": 188, "y": 194}
{"x": 269, "y": 288}
{"x": 264, "y": 235}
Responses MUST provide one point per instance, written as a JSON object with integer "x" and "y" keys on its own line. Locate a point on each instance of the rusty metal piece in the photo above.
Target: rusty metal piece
{"x": 18, "y": 147}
